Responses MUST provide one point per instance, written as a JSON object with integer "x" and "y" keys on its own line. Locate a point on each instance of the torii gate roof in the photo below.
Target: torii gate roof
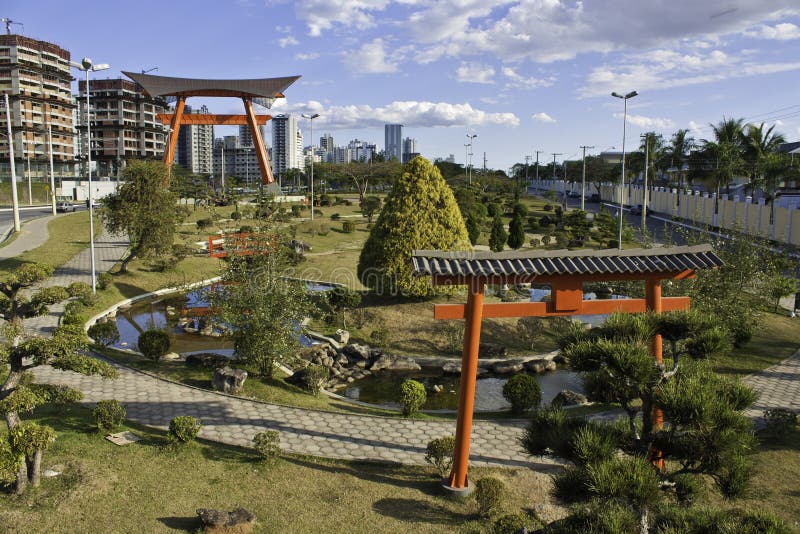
{"x": 169, "y": 86}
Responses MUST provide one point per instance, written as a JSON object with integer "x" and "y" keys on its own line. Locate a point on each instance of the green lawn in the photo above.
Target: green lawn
{"x": 777, "y": 338}
{"x": 145, "y": 487}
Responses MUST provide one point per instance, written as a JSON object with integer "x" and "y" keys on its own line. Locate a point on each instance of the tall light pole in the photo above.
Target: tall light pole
{"x": 86, "y": 66}
{"x": 646, "y": 137}
{"x": 622, "y": 184}
{"x": 471, "y": 138}
{"x": 527, "y": 164}
{"x": 583, "y": 179}
{"x": 537, "y": 165}
{"x": 14, "y": 199}
{"x": 311, "y": 133}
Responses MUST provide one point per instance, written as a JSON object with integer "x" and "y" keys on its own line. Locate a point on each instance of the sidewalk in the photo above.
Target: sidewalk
{"x": 32, "y": 234}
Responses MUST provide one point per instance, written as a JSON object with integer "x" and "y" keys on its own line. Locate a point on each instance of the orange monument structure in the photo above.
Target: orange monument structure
{"x": 262, "y": 91}
{"x": 565, "y": 271}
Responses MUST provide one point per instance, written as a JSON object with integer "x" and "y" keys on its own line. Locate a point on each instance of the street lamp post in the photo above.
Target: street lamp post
{"x": 471, "y": 137}
{"x": 583, "y": 178}
{"x": 311, "y": 133}
{"x": 52, "y": 172}
{"x": 87, "y": 66}
{"x": 622, "y": 184}
{"x": 14, "y": 199}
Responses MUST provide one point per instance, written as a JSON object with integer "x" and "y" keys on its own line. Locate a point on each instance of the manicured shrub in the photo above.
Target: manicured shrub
{"x": 313, "y": 378}
{"x": 548, "y": 207}
{"x": 74, "y": 319}
{"x": 236, "y": 215}
{"x": 108, "y": 415}
{"x": 511, "y": 524}
{"x": 348, "y": 227}
{"x": 523, "y": 392}
{"x": 688, "y": 488}
{"x": 104, "y": 333}
{"x": 439, "y": 453}
{"x": 379, "y": 336}
{"x": 153, "y": 344}
{"x": 268, "y": 445}
{"x": 246, "y": 229}
{"x": 490, "y": 494}
{"x": 295, "y": 210}
{"x": 412, "y": 396}
{"x": 335, "y": 217}
{"x": 183, "y": 429}
{"x": 202, "y": 224}
{"x": 780, "y": 421}
{"x": 9, "y": 462}
{"x": 104, "y": 281}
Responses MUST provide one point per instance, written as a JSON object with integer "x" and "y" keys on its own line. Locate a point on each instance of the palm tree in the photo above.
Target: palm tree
{"x": 680, "y": 146}
{"x": 727, "y": 153}
{"x": 758, "y": 145}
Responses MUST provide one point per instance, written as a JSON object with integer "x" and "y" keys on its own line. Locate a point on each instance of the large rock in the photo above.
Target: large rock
{"x": 491, "y": 350}
{"x": 454, "y": 368}
{"x": 342, "y": 336}
{"x": 395, "y": 363}
{"x": 228, "y": 380}
{"x": 239, "y": 521}
{"x": 356, "y": 353}
{"x": 507, "y": 367}
{"x": 568, "y": 397}
{"x": 536, "y": 366}
{"x": 207, "y": 360}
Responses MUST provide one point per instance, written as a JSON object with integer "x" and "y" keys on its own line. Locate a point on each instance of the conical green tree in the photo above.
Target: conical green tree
{"x": 420, "y": 213}
{"x": 499, "y": 236}
{"x": 516, "y": 232}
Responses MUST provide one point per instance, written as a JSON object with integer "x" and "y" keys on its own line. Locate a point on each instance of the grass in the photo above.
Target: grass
{"x": 146, "y": 487}
{"x": 68, "y": 235}
{"x": 776, "y": 338}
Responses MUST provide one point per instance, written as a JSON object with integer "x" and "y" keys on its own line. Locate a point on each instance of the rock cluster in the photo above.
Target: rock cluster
{"x": 354, "y": 362}
{"x": 228, "y": 380}
{"x": 239, "y": 521}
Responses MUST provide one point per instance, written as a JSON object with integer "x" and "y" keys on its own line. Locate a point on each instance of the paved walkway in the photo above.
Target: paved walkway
{"x": 154, "y": 402}
{"x": 31, "y": 235}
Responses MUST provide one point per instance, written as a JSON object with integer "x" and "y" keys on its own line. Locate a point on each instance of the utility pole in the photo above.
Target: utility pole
{"x": 554, "y": 170}
{"x": 646, "y": 137}
{"x": 484, "y": 163}
{"x": 527, "y": 163}
{"x": 537, "y": 165}
{"x": 583, "y": 179}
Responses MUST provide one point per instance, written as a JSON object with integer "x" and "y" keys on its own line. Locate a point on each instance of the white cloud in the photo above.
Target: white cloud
{"x": 542, "y": 117}
{"x": 517, "y": 81}
{"x": 784, "y": 31}
{"x": 370, "y": 58}
{"x": 321, "y": 15}
{"x": 695, "y": 128}
{"x": 409, "y": 113}
{"x": 305, "y": 57}
{"x": 647, "y": 122}
{"x": 288, "y": 41}
{"x": 474, "y": 73}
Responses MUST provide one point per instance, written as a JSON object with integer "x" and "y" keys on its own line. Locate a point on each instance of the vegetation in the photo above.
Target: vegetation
{"x": 19, "y": 394}
{"x": 412, "y": 397}
{"x": 105, "y": 333}
{"x": 498, "y": 236}
{"x": 153, "y": 344}
{"x": 183, "y": 429}
{"x": 523, "y": 392}
{"x": 490, "y": 494}
{"x": 419, "y": 214}
{"x": 268, "y": 445}
{"x": 108, "y": 414}
{"x": 439, "y": 453}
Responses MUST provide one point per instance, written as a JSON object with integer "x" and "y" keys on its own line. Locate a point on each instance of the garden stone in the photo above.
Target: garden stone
{"x": 551, "y": 366}
{"x": 452, "y": 368}
{"x": 491, "y": 350}
{"x": 356, "y": 353}
{"x": 560, "y": 359}
{"x": 207, "y": 360}
{"x": 229, "y": 380}
{"x": 239, "y": 521}
{"x": 567, "y": 397}
{"x": 536, "y": 366}
{"x": 507, "y": 367}
{"x": 342, "y": 336}
{"x": 395, "y": 363}
{"x": 171, "y": 356}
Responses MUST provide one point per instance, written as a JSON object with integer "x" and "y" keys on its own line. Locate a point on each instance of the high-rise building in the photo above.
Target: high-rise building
{"x": 124, "y": 123}
{"x": 241, "y": 161}
{"x": 36, "y": 75}
{"x": 246, "y": 135}
{"x": 393, "y": 137}
{"x": 195, "y": 144}
{"x": 361, "y": 150}
{"x": 326, "y": 143}
{"x": 409, "y": 149}
{"x": 287, "y": 144}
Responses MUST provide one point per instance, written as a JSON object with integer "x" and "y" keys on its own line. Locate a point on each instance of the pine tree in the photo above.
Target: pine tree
{"x": 419, "y": 214}
{"x": 498, "y": 237}
{"x": 516, "y": 232}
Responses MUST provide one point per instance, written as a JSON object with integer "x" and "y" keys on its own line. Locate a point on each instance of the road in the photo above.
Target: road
{"x": 26, "y": 213}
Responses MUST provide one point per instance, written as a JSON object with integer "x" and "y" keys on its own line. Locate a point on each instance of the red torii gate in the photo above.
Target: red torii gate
{"x": 565, "y": 271}
{"x": 261, "y": 91}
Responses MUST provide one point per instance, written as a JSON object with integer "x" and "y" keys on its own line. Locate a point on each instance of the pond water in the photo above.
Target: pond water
{"x": 384, "y": 388}
{"x": 164, "y": 313}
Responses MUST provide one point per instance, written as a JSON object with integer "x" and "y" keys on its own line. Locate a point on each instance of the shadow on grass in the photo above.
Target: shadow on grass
{"x": 416, "y": 511}
{"x": 378, "y": 472}
{"x": 128, "y": 290}
{"x": 187, "y": 524}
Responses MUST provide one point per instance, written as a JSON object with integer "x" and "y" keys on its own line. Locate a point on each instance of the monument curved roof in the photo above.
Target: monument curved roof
{"x": 170, "y": 86}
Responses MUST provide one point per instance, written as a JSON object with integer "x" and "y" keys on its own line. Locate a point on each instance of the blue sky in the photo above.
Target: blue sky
{"x": 523, "y": 75}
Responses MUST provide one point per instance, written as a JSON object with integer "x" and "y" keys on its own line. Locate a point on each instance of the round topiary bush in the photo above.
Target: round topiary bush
{"x": 523, "y": 392}
{"x": 348, "y": 227}
{"x": 104, "y": 281}
{"x": 202, "y": 224}
{"x": 153, "y": 344}
{"x": 490, "y": 493}
{"x": 104, "y": 333}
{"x": 439, "y": 453}
{"x": 183, "y": 429}
{"x": 412, "y": 396}
{"x": 268, "y": 445}
{"x": 108, "y": 415}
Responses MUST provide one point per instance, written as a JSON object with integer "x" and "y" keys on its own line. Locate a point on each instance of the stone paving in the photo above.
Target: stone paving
{"x": 778, "y": 387}
{"x": 32, "y": 234}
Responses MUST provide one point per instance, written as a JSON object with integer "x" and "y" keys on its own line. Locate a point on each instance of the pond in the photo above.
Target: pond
{"x": 165, "y": 312}
{"x": 384, "y": 388}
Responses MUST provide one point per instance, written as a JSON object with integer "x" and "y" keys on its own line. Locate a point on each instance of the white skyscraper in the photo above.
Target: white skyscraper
{"x": 287, "y": 144}
{"x": 195, "y": 145}
{"x": 393, "y": 147}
